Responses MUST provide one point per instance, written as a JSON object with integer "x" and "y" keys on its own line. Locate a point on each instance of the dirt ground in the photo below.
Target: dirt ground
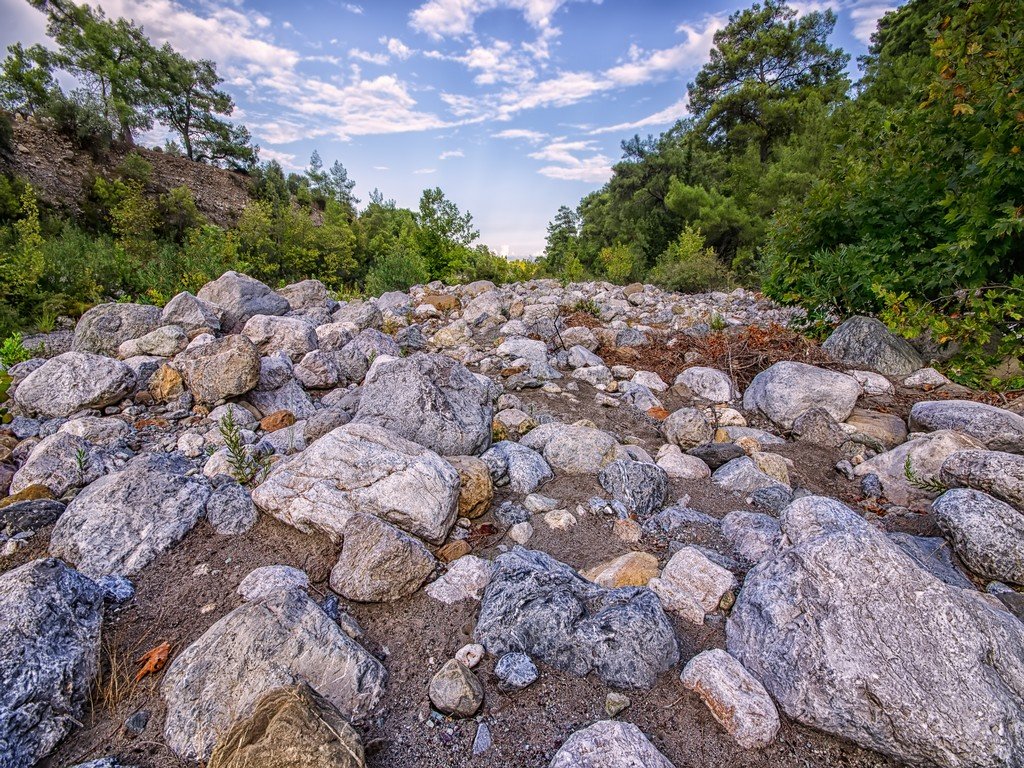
{"x": 186, "y": 590}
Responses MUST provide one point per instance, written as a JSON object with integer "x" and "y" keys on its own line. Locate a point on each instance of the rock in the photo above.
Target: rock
{"x": 482, "y": 740}
{"x": 379, "y": 563}
{"x": 96, "y": 430}
{"x": 191, "y": 314}
{"x": 997, "y": 474}
{"x": 284, "y": 639}
{"x": 716, "y": 455}
{"x": 515, "y": 671}
{"x": 291, "y": 397}
{"x": 32, "y": 493}
{"x": 640, "y": 486}
{"x": 709, "y": 384}
{"x": 224, "y": 368}
{"x": 536, "y": 605}
{"x": 521, "y": 533}
{"x": 465, "y": 579}
{"x": 818, "y": 428}
{"x": 324, "y": 421}
{"x": 529, "y": 349}
{"x": 60, "y": 462}
{"x": 291, "y": 726}
{"x": 291, "y": 336}
{"x": 453, "y": 550}
{"x": 121, "y": 522}
{"x": 470, "y": 654}
{"x": 50, "y": 620}
{"x": 582, "y": 357}
{"x": 102, "y": 329}
{"x": 873, "y": 383}
{"x": 633, "y": 569}
{"x": 789, "y": 389}
{"x": 998, "y": 429}
{"x": 736, "y": 700}
{"x": 752, "y": 535}
{"x": 431, "y": 400}
{"x": 271, "y": 580}
{"x": 925, "y": 455}
{"x": 742, "y": 476}
{"x": 230, "y": 509}
{"x": 574, "y": 449}
{"x": 241, "y": 297}
{"x": 306, "y": 294}
{"x": 691, "y": 585}
{"x": 883, "y": 653}
{"x": 475, "y": 486}
{"x": 360, "y": 468}
{"x": 609, "y": 744}
{"x": 926, "y": 379}
{"x": 865, "y": 341}
{"x": 362, "y": 314}
{"x": 166, "y": 341}
{"x": 523, "y": 470}
{"x": 29, "y": 515}
{"x": 650, "y": 380}
{"x": 987, "y": 534}
{"x": 687, "y": 428}
{"x": 166, "y": 384}
{"x": 72, "y": 382}
{"x": 681, "y": 466}
{"x": 887, "y": 429}
{"x": 935, "y": 555}
{"x": 455, "y": 690}
{"x": 277, "y": 420}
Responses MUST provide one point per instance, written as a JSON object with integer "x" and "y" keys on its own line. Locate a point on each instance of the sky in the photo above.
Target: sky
{"x": 512, "y": 107}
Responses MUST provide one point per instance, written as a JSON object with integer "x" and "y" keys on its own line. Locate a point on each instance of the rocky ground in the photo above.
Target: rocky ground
{"x": 532, "y": 525}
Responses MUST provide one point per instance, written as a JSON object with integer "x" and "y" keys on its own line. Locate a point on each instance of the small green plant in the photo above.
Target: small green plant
{"x": 717, "y": 322}
{"x": 247, "y": 467}
{"x": 14, "y": 351}
{"x": 5, "y": 384}
{"x": 588, "y": 306}
{"x": 82, "y": 460}
{"x": 932, "y": 485}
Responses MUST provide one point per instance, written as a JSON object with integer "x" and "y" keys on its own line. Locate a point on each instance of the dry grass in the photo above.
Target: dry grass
{"x": 116, "y": 682}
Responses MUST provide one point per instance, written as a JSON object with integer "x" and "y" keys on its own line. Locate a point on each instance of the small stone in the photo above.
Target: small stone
{"x": 482, "y": 740}
{"x": 470, "y": 654}
{"x": 515, "y": 670}
{"x": 627, "y": 530}
{"x": 560, "y": 519}
{"x": 615, "y": 703}
{"x": 633, "y": 569}
{"x": 272, "y": 580}
{"x": 521, "y": 533}
{"x": 277, "y": 420}
{"x": 475, "y": 486}
{"x": 453, "y": 550}
{"x": 455, "y": 690}
{"x": 465, "y": 579}
{"x": 537, "y": 503}
{"x": 691, "y": 585}
{"x": 137, "y": 722}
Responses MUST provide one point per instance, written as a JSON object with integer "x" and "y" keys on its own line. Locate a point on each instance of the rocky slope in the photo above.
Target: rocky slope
{"x": 523, "y": 525}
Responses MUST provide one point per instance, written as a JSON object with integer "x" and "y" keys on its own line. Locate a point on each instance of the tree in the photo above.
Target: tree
{"x": 562, "y": 239}
{"x": 26, "y": 79}
{"x": 341, "y": 186}
{"x": 763, "y": 64}
{"x": 444, "y": 231}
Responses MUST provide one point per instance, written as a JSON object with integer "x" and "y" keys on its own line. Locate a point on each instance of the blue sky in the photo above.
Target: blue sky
{"x": 513, "y": 107}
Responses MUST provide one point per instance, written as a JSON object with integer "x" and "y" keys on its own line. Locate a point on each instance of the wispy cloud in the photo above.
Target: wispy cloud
{"x": 865, "y": 19}
{"x": 564, "y": 163}
{"x": 526, "y": 134}
{"x": 370, "y": 58}
{"x": 353, "y": 8}
{"x": 451, "y": 153}
{"x": 666, "y": 116}
{"x": 424, "y": 171}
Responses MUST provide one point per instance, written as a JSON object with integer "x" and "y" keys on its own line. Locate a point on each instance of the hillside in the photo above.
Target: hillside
{"x": 486, "y": 525}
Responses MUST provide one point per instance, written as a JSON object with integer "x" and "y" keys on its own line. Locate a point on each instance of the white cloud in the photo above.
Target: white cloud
{"x": 498, "y": 62}
{"x": 397, "y": 48}
{"x": 534, "y": 137}
{"x": 451, "y": 153}
{"x": 286, "y": 159}
{"x": 865, "y": 19}
{"x": 455, "y": 18}
{"x": 381, "y": 168}
{"x": 644, "y": 66}
{"x": 669, "y": 114}
{"x": 370, "y": 58}
{"x": 564, "y": 163}
{"x": 353, "y": 8}
{"x": 424, "y": 171}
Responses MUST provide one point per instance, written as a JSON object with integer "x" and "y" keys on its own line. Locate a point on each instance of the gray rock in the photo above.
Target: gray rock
{"x": 753, "y": 535}
{"x": 50, "y": 620}
{"x": 997, "y": 474}
{"x": 319, "y": 369}
{"x": 998, "y": 429}
{"x": 819, "y": 428}
{"x": 581, "y": 357}
{"x": 362, "y": 314}
{"x": 515, "y": 671}
{"x": 333, "y": 336}
{"x": 431, "y": 400}
{"x": 73, "y": 381}
{"x": 379, "y": 563}
{"x": 691, "y": 584}
{"x": 29, "y": 515}
{"x": 165, "y": 341}
{"x": 537, "y": 605}
{"x": 371, "y": 343}
{"x": 609, "y": 744}
{"x": 742, "y": 476}
{"x": 455, "y": 690}
{"x": 97, "y": 430}
{"x": 325, "y": 420}
{"x": 224, "y": 368}
{"x": 191, "y": 314}
{"x": 61, "y": 462}
{"x": 736, "y": 699}
{"x": 687, "y": 428}
{"x": 935, "y": 555}
{"x": 362, "y": 468}
{"x": 642, "y": 487}
{"x": 290, "y": 336}
{"x": 306, "y": 294}
{"x": 230, "y": 509}
{"x": 709, "y": 384}
{"x": 241, "y": 297}
{"x": 121, "y": 522}
{"x": 102, "y": 329}
{"x": 987, "y": 534}
{"x": 574, "y": 450}
{"x": 789, "y": 389}
{"x": 883, "y": 653}
{"x": 284, "y": 639}
{"x": 887, "y": 430}
{"x": 291, "y": 397}
{"x": 271, "y": 580}
{"x": 293, "y": 726}
{"x": 482, "y": 741}
{"x": 865, "y": 341}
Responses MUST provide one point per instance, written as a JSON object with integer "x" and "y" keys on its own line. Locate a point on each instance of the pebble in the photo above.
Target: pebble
{"x": 615, "y": 703}
{"x": 470, "y": 654}
{"x": 560, "y": 519}
{"x": 515, "y": 670}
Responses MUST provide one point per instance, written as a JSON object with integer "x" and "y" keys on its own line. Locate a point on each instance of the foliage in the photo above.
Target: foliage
{"x": 13, "y": 351}
{"x": 398, "y": 269}
{"x": 248, "y": 466}
{"x": 932, "y": 485}
{"x": 620, "y": 263}
{"x": 689, "y": 267}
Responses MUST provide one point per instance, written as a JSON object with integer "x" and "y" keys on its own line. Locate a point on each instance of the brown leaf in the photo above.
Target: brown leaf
{"x": 153, "y": 660}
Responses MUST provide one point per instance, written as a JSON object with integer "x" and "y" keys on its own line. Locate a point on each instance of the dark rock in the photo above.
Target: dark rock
{"x": 866, "y": 342}
{"x": 515, "y": 671}
{"x": 818, "y": 428}
{"x": 29, "y": 515}
{"x": 510, "y": 513}
{"x": 717, "y": 454}
{"x": 933, "y": 554}
{"x": 642, "y": 487}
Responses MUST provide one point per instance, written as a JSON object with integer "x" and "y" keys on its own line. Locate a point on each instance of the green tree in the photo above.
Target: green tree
{"x": 444, "y": 233}
{"x": 562, "y": 239}
{"x": 26, "y": 79}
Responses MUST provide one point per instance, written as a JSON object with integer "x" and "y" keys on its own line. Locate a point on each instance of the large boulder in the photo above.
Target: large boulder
{"x": 851, "y": 637}
{"x": 866, "y": 342}
{"x": 60, "y": 462}
{"x": 363, "y": 468}
{"x": 987, "y": 534}
{"x": 291, "y": 336}
{"x": 997, "y": 428}
{"x": 292, "y": 726}
{"x": 121, "y": 522}
{"x": 431, "y": 400}
{"x": 192, "y": 314}
{"x": 102, "y": 329}
{"x": 223, "y": 368}
{"x": 282, "y": 640}
{"x": 241, "y": 297}
{"x": 574, "y": 449}
{"x": 50, "y": 619}
{"x": 379, "y": 563}
{"x": 539, "y": 606}
{"x": 74, "y": 381}
{"x": 996, "y": 473}
{"x": 788, "y": 389}
{"x": 609, "y": 744}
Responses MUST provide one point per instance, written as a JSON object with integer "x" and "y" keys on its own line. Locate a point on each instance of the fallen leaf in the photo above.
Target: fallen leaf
{"x": 153, "y": 660}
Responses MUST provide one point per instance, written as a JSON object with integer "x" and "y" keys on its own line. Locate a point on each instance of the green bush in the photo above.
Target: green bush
{"x": 397, "y": 270}
{"x": 689, "y": 267}
{"x": 620, "y": 263}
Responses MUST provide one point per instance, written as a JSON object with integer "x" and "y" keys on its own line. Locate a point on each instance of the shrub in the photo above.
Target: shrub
{"x": 398, "y": 269}
{"x": 620, "y": 262}
{"x": 688, "y": 267}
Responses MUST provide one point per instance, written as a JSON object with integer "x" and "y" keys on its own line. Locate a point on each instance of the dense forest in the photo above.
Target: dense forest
{"x": 899, "y": 195}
